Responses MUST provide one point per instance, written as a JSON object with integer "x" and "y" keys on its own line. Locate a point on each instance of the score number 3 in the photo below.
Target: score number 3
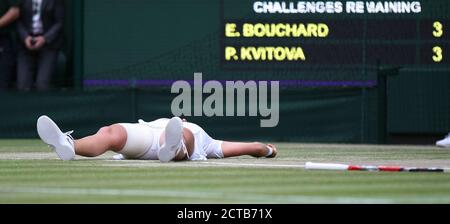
{"x": 438, "y": 29}
{"x": 437, "y": 56}
{"x": 437, "y": 50}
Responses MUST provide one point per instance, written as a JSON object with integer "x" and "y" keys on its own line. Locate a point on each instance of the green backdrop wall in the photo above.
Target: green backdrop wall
{"x": 307, "y": 115}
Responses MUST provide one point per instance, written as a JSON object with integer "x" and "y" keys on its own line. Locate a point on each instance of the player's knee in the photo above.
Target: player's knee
{"x": 118, "y": 135}
{"x": 115, "y": 135}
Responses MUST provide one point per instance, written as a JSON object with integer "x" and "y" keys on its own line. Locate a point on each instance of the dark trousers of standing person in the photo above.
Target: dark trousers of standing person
{"x": 39, "y": 65}
{"x": 7, "y": 60}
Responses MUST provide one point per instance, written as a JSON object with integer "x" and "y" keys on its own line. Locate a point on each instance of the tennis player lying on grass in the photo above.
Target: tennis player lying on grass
{"x": 164, "y": 139}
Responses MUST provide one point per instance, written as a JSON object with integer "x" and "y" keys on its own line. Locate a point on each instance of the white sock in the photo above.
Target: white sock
{"x": 270, "y": 151}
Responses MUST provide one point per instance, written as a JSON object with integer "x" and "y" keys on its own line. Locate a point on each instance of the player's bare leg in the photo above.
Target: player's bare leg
{"x": 255, "y": 149}
{"x": 107, "y": 138}
{"x": 114, "y": 138}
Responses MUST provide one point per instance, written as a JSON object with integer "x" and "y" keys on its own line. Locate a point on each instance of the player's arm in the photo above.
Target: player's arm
{"x": 10, "y": 16}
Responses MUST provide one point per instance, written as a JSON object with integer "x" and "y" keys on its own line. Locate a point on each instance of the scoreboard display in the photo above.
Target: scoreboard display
{"x": 335, "y": 34}
{"x": 249, "y": 39}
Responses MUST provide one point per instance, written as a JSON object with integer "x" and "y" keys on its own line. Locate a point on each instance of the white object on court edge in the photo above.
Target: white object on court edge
{"x": 325, "y": 166}
{"x": 444, "y": 142}
{"x": 62, "y": 143}
{"x": 173, "y": 140}
{"x": 118, "y": 157}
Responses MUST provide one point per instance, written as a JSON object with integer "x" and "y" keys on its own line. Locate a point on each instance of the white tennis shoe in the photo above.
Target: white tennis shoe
{"x": 61, "y": 143}
{"x": 444, "y": 142}
{"x": 173, "y": 140}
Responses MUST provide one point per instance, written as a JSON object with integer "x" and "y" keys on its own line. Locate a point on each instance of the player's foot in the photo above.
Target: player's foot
{"x": 444, "y": 142}
{"x": 173, "y": 134}
{"x": 61, "y": 143}
{"x": 274, "y": 151}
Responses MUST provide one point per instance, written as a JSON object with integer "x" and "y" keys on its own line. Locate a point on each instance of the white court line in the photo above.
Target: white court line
{"x": 143, "y": 163}
{"x": 217, "y": 196}
{"x": 257, "y": 164}
{"x": 228, "y": 164}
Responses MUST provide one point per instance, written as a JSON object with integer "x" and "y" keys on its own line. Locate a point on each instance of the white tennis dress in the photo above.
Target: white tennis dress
{"x": 143, "y": 141}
